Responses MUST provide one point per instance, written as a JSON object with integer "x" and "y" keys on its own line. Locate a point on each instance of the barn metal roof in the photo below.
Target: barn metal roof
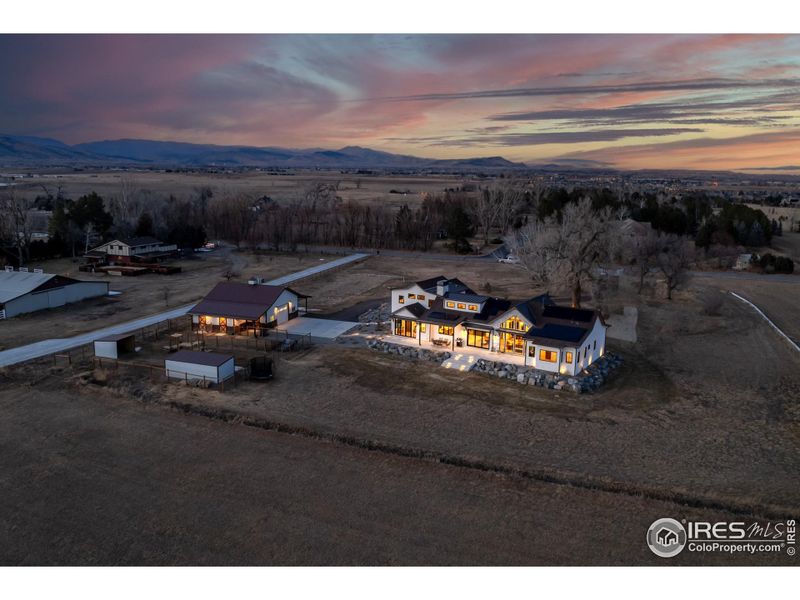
{"x": 239, "y": 300}
{"x": 16, "y": 284}
{"x": 209, "y": 359}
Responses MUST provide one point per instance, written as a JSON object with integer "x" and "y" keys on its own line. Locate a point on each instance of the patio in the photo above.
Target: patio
{"x": 478, "y": 353}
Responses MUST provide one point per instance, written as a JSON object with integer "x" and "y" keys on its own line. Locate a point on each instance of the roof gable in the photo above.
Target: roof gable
{"x": 238, "y": 300}
{"x": 14, "y": 284}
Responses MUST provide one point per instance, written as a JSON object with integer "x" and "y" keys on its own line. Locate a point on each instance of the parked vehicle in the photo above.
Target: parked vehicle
{"x": 510, "y": 260}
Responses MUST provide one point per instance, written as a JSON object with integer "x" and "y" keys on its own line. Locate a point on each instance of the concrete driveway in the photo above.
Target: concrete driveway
{"x": 319, "y": 328}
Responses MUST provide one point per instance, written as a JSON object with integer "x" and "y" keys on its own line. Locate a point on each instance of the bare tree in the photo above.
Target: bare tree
{"x": 674, "y": 260}
{"x": 565, "y": 252}
{"x": 16, "y": 224}
{"x": 496, "y": 207}
{"x": 643, "y": 252}
{"x": 484, "y": 210}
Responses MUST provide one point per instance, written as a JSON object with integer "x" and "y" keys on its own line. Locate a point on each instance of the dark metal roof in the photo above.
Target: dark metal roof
{"x": 239, "y": 300}
{"x": 415, "y": 309}
{"x": 465, "y": 297}
{"x": 115, "y": 338}
{"x": 429, "y": 285}
{"x": 145, "y": 240}
{"x": 567, "y": 313}
{"x": 561, "y": 333}
{"x": 210, "y": 359}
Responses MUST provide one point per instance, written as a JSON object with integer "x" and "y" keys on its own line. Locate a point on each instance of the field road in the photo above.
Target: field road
{"x": 14, "y": 356}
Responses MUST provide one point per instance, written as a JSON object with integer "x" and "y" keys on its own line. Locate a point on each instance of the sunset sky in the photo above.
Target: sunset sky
{"x": 684, "y": 101}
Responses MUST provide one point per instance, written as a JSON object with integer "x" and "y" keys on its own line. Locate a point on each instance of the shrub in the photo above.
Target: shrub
{"x": 771, "y": 263}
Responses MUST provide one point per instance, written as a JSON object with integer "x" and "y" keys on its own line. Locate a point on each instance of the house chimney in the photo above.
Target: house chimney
{"x": 442, "y": 287}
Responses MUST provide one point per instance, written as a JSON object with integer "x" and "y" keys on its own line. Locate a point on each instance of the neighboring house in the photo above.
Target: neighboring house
{"x": 535, "y": 332}
{"x": 244, "y": 307}
{"x": 633, "y": 232}
{"x": 743, "y": 262}
{"x": 25, "y": 292}
{"x": 139, "y": 249}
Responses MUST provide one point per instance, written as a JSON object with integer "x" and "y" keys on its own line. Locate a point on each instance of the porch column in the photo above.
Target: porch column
{"x": 419, "y": 334}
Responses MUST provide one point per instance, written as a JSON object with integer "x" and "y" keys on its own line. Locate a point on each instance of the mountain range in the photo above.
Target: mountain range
{"x": 36, "y": 151}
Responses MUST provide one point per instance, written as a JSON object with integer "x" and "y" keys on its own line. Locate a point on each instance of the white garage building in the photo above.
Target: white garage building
{"x": 208, "y": 366}
{"x": 25, "y": 292}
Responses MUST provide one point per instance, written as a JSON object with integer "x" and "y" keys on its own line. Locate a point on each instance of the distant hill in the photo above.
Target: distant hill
{"x": 33, "y": 151}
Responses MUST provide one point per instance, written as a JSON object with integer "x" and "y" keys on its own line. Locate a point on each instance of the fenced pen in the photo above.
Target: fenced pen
{"x": 161, "y": 340}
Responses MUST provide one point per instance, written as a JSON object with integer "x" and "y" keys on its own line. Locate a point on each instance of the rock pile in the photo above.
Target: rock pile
{"x": 588, "y": 380}
{"x": 409, "y": 351}
{"x": 379, "y": 314}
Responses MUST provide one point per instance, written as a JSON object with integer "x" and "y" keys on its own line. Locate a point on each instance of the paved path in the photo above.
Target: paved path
{"x": 318, "y": 269}
{"x": 792, "y": 343}
{"x": 460, "y": 362}
{"x": 320, "y": 328}
{"x": 13, "y": 356}
{"x": 745, "y": 276}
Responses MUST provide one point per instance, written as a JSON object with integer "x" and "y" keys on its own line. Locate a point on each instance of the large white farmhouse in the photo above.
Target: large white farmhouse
{"x": 536, "y": 332}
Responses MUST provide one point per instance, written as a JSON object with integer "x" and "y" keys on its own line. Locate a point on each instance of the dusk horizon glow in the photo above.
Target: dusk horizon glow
{"x": 623, "y": 101}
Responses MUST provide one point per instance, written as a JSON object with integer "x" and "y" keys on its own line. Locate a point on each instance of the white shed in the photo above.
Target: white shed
{"x": 208, "y": 366}
{"x": 114, "y": 345}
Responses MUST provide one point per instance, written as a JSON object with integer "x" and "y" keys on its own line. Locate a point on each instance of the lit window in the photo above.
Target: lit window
{"x": 461, "y": 306}
{"x": 451, "y": 305}
{"x": 411, "y": 296}
{"x": 531, "y": 351}
{"x": 547, "y": 355}
{"x": 401, "y": 300}
{"x": 420, "y": 296}
{"x": 514, "y": 323}
{"x": 473, "y": 307}
{"x": 423, "y": 327}
{"x": 569, "y": 357}
{"x": 444, "y": 330}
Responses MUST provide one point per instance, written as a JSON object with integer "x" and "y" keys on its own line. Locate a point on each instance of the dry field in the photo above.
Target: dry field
{"x": 281, "y": 187}
{"x": 145, "y": 294}
{"x": 92, "y": 478}
{"x": 323, "y": 464}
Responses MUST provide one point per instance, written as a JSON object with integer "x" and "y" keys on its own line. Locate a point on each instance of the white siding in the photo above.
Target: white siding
{"x": 414, "y": 289}
{"x": 186, "y": 370}
{"x": 286, "y": 303}
{"x": 105, "y": 349}
{"x": 593, "y": 347}
{"x": 55, "y": 297}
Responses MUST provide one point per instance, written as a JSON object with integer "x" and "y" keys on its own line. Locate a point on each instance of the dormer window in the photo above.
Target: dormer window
{"x": 473, "y": 307}
{"x": 515, "y": 324}
{"x": 401, "y": 299}
{"x": 451, "y": 304}
{"x": 420, "y": 296}
{"x": 411, "y": 296}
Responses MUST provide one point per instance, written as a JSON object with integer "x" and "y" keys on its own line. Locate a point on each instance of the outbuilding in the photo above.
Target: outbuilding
{"x": 25, "y": 292}
{"x": 113, "y": 346}
{"x": 244, "y": 307}
{"x": 207, "y": 366}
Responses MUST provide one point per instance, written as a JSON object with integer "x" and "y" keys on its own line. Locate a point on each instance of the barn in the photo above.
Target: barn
{"x": 242, "y": 308}
{"x": 207, "y": 366}
{"x": 25, "y": 292}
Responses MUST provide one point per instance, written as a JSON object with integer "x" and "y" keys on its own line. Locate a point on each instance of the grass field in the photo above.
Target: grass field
{"x": 322, "y": 465}
{"x": 281, "y": 187}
